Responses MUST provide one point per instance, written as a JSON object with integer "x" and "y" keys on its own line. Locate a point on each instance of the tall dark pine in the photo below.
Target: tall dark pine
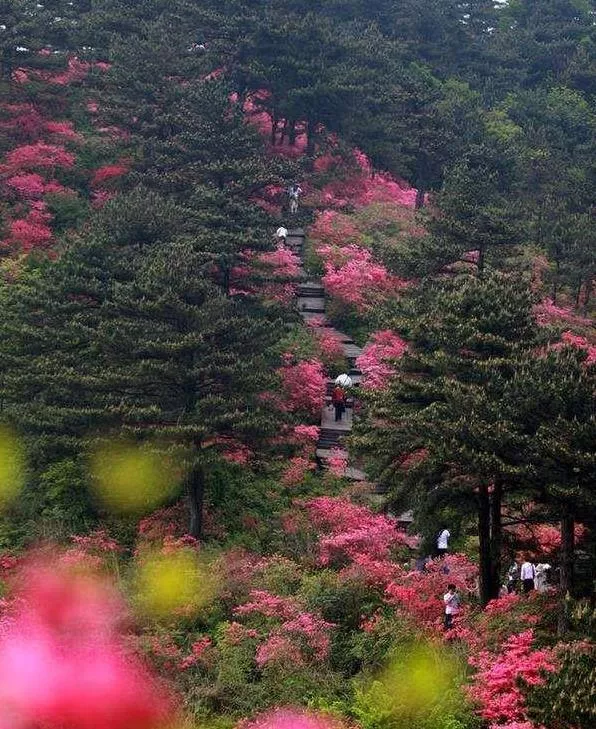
{"x": 128, "y": 333}
{"x": 446, "y": 398}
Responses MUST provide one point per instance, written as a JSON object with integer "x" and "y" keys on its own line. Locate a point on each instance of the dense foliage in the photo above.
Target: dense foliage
{"x": 172, "y": 552}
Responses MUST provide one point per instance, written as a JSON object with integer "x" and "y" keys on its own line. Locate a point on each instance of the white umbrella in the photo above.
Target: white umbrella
{"x": 343, "y": 380}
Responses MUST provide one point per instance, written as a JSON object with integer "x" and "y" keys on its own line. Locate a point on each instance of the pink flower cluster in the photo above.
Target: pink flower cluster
{"x": 329, "y": 343}
{"x": 296, "y": 470}
{"x": 63, "y": 663}
{"x": 302, "y": 633}
{"x": 384, "y": 347}
{"x": 496, "y": 684}
{"x": 197, "y": 650}
{"x": 347, "y": 532}
{"x": 304, "y": 385}
{"x": 107, "y": 174}
{"x": 546, "y": 312}
{"x": 30, "y": 232}
{"x": 352, "y": 276}
{"x": 76, "y": 70}
{"x": 97, "y": 541}
{"x": 569, "y": 339}
{"x": 289, "y": 718}
{"x": 418, "y": 594}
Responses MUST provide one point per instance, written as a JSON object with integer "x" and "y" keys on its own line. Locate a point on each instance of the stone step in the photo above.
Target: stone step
{"x": 311, "y": 303}
{"x": 308, "y": 289}
{"x": 329, "y": 438}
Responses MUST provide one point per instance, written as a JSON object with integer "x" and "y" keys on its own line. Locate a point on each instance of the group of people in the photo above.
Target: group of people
{"x": 528, "y": 576}
{"x": 294, "y": 192}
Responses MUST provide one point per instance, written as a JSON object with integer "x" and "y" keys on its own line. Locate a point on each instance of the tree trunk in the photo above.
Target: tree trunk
{"x": 284, "y": 131}
{"x": 496, "y": 533}
{"x": 556, "y": 281}
{"x": 274, "y": 123}
{"x": 587, "y": 292}
{"x": 566, "y": 569}
{"x": 578, "y": 294}
{"x": 196, "y": 499}
{"x": 481, "y": 259}
{"x": 484, "y": 544}
{"x": 292, "y": 128}
{"x": 420, "y": 195}
{"x": 310, "y": 138}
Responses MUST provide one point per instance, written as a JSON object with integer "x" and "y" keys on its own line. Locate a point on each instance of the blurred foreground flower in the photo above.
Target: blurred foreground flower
{"x": 173, "y": 583}
{"x": 62, "y": 663}
{"x": 12, "y": 466}
{"x": 417, "y": 683}
{"x": 289, "y": 718}
{"x": 129, "y": 479}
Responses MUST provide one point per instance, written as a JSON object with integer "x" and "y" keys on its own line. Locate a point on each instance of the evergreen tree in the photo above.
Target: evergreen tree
{"x": 127, "y": 332}
{"x": 445, "y": 402}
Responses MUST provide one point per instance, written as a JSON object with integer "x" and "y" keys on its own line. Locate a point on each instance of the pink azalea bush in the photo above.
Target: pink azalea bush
{"x": 383, "y": 348}
{"x": 359, "y": 281}
{"x": 546, "y": 312}
{"x": 496, "y": 684}
{"x": 62, "y": 661}
{"x": 347, "y": 531}
{"x": 289, "y": 718}
{"x": 304, "y": 386}
{"x": 569, "y": 339}
{"x": 286, "y": 624}
{"x": 418, "y": 595}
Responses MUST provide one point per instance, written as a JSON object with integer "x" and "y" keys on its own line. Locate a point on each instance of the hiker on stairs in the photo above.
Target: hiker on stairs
{"x": 338, "y": 398}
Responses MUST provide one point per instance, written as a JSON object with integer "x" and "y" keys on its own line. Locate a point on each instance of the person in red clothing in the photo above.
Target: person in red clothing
{"x": 338, "y": 398}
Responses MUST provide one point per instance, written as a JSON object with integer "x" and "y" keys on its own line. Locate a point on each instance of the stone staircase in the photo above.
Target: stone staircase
{"x": 311, "y": 304}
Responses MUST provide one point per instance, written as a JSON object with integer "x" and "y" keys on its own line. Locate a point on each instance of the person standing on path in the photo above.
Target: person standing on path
{"x": 443, "y": 542}
{"x": 512, "y": 577}
{"x": 338, "y": 399}
{"x": 294, "y": 192}
{"x": 452, "y": 603}
{"x": 527, "y": 575}
{"x": 541, "y": 580}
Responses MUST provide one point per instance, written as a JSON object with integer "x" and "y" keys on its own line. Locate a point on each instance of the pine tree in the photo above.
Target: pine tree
{"x": 128, "y": 333}
{"x": 445, "y": 403}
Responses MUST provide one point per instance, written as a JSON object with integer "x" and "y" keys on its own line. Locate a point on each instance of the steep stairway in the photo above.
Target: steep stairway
{"x": 311, "y": 304}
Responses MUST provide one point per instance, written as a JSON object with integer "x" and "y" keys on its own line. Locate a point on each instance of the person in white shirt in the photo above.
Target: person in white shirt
{"x": 452, "y": 603}
{"x": 294, "y": 192}
{"x": 527, "y": 575}
{"x": 281, "y": 234}
{"x": 443, "y": 542}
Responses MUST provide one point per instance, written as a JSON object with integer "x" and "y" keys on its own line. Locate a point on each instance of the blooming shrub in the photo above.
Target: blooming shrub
{"x": 30, "y": 232}
{"x": 289, "y": 718}
{"x": 353, "y": 277}
{"x": 304, "y": 386}
{"x": 29, "y": 186}
{"x": 107, "y": 174}
{"x": 39, "y": 156}
{"x": 346, "y": 532}
{"x": 569, "y": 339}
{"x": 420, "y": 594}
{"x": 290, "y": 626}
{"x": 546, "y": 312}
{"x": 63, "y": 663}
{"x": 496, "y": 685}
{"x": 296, "y": 470}
{"x": 375, "y": 361}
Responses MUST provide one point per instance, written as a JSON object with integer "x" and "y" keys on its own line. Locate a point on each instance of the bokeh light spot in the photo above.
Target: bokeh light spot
{"x": 130, "y": 479}
{"x": 173, "y": 584}
{"x": 12, "y": 466}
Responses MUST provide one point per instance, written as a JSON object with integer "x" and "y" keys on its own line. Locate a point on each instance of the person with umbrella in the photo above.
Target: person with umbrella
{"x": 338, "y": 397}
